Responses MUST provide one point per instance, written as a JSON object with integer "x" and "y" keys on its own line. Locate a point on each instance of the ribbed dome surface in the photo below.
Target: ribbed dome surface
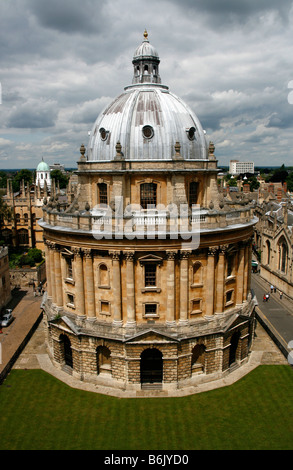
{"x": 147, "y": 120}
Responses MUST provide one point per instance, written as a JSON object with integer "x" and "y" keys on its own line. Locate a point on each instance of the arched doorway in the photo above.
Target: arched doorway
{"x": 103, "y": 360}
{"x": 233, "y": 347}
{"x": 67, "y": 351}
{"x": 198, "y": 358}
{"x": 151, "y": 366}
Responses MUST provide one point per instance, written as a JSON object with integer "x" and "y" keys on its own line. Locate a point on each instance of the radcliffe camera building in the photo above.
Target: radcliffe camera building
{"x": 148, "y": 267}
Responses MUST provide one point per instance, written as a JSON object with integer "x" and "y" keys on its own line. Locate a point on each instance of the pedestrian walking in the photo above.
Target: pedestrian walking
{"x": 281, "y": 295}
{"x": 272, "y": 289}
{"x": 264, "y": 298}
{"x": 267, "y": 296}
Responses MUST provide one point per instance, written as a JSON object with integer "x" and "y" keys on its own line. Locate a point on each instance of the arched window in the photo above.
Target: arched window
{"x": 66, "y": 350}
{"x": 268, "y": 248}
{"x": 7, "y": 236}
{"x": 197, "y": 273}
{"x": 230, "y": 264}
{"x": 103, "y": 355}
{"x": 193, "y": 193}
{"x": 148, "y": 195}
{"x": 25, "y": 218}
{"x": 283, "y": 255}
{"x": 103, "y": 276}
{"x": 23, "y": 237}
{"x": 102, "y": 193}
{"x": 198, "y": 358}
{"x": 17, "y": 218}
{"x": 233, "y": 347}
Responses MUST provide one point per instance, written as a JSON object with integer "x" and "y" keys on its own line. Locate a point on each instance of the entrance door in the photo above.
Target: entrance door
{"x": 233, "y": 348}
{"x": 67, "y": 351}
{"x": 151, "y": 366}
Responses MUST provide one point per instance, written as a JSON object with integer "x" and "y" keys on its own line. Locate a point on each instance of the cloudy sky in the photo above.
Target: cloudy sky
{"x": 63, "y": 61}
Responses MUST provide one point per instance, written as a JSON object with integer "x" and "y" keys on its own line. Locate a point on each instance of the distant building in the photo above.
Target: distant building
{"x": 274, "y": 239}
{"x": 43, "y": 175}
{"x": 238, "y": 168}
{"x": 57, "y": 166}
{"x": 26, "y": 205}
{"x": 5, "y": 290}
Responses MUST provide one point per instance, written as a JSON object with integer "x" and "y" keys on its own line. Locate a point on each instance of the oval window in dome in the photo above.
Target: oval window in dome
{"x": 148, "y": 132}
{"x": 103, "y": 133}
{"x": 191, "y": 133}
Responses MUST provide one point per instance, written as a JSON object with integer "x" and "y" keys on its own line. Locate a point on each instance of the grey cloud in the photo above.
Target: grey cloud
{"x": 69, "y": 16}
{"x": 33, "y": 114}
{"x": 221, "y": 12}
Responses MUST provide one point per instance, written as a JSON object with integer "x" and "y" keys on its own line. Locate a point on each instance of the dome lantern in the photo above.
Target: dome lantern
{"x": 146, "y": 63}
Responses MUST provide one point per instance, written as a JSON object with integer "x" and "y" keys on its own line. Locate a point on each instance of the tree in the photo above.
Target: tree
{"x": 23, "y": 174}
{"x": 3, "y": 179}
{"x": 5, "y": 212}
{"x": 57, "y": 175}
{"x": 279, "y": 176}
{"x": 289, "y": 181}
{"x": 254, "y": 184}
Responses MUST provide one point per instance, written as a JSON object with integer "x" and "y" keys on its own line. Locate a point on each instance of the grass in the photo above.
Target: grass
{"x": 39, "y": 412}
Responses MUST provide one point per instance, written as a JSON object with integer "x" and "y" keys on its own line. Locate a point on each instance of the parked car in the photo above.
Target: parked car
{"x": 7, "y": 317}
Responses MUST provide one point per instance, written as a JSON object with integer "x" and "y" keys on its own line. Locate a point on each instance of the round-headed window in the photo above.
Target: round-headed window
{"x": 148, "y": 132}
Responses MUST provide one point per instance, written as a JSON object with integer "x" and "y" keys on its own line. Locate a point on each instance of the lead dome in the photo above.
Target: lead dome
{"x": 147, "y": 119}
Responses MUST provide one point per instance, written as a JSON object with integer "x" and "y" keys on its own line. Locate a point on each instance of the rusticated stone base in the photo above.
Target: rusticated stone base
{"x": 150, "y": 356}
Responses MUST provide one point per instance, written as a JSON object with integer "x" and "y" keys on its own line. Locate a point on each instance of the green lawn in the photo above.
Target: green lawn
{"x": 39, "y": 412}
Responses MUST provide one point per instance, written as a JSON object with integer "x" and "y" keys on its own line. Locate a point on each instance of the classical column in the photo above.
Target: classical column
{"x": 58, "y": 277}
{"x": 52, "y": 271}
{"x": 89, "y": 284}
{"x": 170, "y": 315}
{"x": 184, "y": 288}
{"x": 220, "y": 280}
{"x": 210, "y": 281}
{"x": 48, "y": 269}
{"x": 240, "y": 276}
{"x": 79, "y": 281}
{"x": 117, "y": 320}
{"x": 130, "y": 289}
{"x": 245, "y": 282}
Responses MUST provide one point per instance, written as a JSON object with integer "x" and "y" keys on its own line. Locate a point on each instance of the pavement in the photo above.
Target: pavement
{"x": 276, "y": 314}
{"x": 27, "y": 313}
{"x": 23, "y": 346}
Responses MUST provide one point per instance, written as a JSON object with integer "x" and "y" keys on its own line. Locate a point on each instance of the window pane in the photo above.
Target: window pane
{"x": 193, "y": 190}
{"x": 148, "y": 195}
{"x": 150, "y": 275}
{"x": 103, "y": 196}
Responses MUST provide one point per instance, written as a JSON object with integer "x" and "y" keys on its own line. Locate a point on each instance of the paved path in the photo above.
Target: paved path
{"x": 277, "y": 313}
{"x": 26, "y": 311}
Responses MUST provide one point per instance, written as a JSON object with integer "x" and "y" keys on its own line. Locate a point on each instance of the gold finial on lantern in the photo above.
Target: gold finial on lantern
{"x": 145, "y": 34}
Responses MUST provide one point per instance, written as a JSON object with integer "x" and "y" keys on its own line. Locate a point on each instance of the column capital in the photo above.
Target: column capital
{"x": 75, "y": 250}
{"x": 50, "y": 245}
{"x": 129, "y": 255}
{"x": 212, "y": 251}
{"x": 223, "y": 249}
{"x": 184, "y": 254}
{"x": 87, "y": 252}
{"x": 171, "y": 255}
{"x": 115, "y": 255}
